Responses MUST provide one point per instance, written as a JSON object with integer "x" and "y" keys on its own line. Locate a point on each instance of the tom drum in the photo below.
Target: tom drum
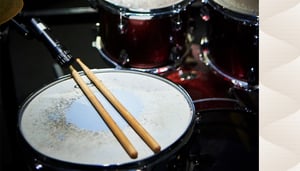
{"x": 230, "y": 46}
{"x": 143, "y": 34}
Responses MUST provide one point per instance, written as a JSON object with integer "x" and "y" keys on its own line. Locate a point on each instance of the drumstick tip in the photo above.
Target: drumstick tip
{"x": 156, "y": 149}
{"x": 78, "y": 60}
{"x": 133, "y": 154}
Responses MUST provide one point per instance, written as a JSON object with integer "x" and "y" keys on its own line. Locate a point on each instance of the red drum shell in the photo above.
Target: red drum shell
{"x": 231, "y": 44}
{"x": 208, "y": 91}
{"x": 149, "y": 40}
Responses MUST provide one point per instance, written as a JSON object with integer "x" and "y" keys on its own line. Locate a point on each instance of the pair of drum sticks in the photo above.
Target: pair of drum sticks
{"x": 124, "y": 141}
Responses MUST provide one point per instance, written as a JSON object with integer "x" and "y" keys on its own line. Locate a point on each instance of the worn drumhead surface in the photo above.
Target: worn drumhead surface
{"x": 59, "y": 122}
{"x": 248, "y": 7}
{"x": 143, "y": 5}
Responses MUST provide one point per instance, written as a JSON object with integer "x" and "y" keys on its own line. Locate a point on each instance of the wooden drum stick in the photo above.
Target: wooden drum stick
{"x": 105, "y": 115}
{"x": 148, "y": 139}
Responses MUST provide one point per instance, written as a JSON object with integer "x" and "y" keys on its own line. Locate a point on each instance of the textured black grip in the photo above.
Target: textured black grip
{"x": 59, "y": 52}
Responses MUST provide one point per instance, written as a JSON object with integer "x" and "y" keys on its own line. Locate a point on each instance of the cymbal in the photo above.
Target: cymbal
{"x": 9, "y": 9}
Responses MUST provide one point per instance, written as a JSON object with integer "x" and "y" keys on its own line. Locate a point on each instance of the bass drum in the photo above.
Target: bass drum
{"x": 225, "y": 136}
{"x": 144, "y": 35}
{"x": 60, "y": 130}
{"x": 230, "y": 45}
{"x": 224, "y": 139}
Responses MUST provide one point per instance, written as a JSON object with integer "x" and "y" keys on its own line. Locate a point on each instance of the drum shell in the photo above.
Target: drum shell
{"x": 148, "y": 41}
{"x": 231, "y": 44}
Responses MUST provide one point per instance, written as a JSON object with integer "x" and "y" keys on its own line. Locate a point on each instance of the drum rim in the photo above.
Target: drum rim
{"x": 242, "y": 17}
{"x": 234, "y": 81}
{"x": 147, "y": 161}
{"x": 136, "y": 13}
{"x": 153, "y": 70}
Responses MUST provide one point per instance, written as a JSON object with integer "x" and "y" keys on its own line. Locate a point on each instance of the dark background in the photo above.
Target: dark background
{"x": 27, "y": 65}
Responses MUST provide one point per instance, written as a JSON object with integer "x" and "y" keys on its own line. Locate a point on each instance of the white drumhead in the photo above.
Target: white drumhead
{"x": 247, "y": 7}
{"x": 144, "y": 5}
{"x": 59, "y": 122}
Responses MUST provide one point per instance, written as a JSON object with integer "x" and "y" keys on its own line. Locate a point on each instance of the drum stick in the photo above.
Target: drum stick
{"x": 148, "y": 139}
{"x": 105, "y": 115}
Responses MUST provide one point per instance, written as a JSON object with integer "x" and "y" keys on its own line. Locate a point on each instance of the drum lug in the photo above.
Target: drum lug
{"x": 175, "y": 55}
{"x": 256, "y": 38}
{"x": 252, "y": 77}
{"x": 177, "y": 23}
{"x": 122, "y": 26}
{"x": 38, "y": 165}
{"x": 204, "y": 13}
{"x": 123, "y": 57}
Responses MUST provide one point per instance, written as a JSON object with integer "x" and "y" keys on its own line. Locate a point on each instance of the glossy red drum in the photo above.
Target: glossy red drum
{"x": 208, "y": 91}
{"x": 230, "y": 46}
{"x": 143, "y": 34}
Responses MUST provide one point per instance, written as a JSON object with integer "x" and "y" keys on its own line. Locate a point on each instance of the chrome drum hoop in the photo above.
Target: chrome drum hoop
{"x": 148, "y": 13}
{"x": 252, "y": 20}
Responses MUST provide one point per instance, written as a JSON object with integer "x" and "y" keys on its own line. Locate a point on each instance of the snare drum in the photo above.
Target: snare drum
{"x": 230, "y": 46}
{"x": 60, "y": 129}
{"x": 143, "y": 34}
